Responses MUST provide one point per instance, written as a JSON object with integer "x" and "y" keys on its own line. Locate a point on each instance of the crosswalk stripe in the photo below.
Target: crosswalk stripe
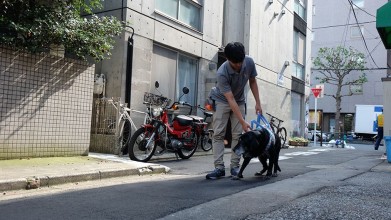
{"x": 298, "y": 153}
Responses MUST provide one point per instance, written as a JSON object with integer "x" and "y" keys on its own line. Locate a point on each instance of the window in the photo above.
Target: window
{"x": 358, "y": 3}
{"x": 174, "y": 71}
{"x": 355, "y": 31}
{"x": 298, "y": 55}
{"x": 185, "y": 11}
{"x": 297, "y": 109}
{"x": 187, "y": 76}
{"x": 300, "y": 8}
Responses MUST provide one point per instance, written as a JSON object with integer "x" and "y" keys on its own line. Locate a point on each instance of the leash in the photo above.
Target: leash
{"x": 259, "y": 125}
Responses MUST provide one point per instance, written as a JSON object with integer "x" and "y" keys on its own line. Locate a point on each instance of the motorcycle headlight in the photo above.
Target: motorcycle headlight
{"x": 156, "y": 112}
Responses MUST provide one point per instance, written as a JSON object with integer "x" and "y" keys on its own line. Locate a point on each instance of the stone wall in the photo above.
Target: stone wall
{"x": 46, "y": 104}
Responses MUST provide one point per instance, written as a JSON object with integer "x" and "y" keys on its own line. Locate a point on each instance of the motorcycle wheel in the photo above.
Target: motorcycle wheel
{"x": 206, "y": 140}
{"x": 138, "y": 150}
{"x": 187, "y": 151}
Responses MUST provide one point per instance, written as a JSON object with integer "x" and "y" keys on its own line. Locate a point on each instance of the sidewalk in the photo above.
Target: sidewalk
{"x": 41, "y": 172}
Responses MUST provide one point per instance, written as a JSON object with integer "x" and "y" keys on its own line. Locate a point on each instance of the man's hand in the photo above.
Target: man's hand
{"x": 246, "y": 126}
{"x": 258, "y": 109}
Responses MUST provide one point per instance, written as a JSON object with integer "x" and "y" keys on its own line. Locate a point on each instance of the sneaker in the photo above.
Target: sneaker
{"x": 216, "y": 174}
{"x": 234, "y": 171}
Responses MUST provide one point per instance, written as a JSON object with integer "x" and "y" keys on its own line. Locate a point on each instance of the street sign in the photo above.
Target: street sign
{"x": 316, "y": 91}
{"x": 320, "y": 86}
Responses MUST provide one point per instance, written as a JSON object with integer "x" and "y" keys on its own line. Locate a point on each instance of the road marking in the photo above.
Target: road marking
{"x": 255, "y": 160}
{"x": 298, "y": 153}
{"x": 304, "y": 153}
{"x": 322, "y": 150}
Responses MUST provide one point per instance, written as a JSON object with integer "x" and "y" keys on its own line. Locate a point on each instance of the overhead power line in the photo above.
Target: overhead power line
{"x": 342, "y": 25}
{"x": 362, "y": 36}
{"x": 363, "y": 10}
{"x": 334, "y": 69}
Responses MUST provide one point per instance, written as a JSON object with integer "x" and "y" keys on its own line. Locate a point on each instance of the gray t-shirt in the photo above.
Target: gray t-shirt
{"x": 230, "y": 81}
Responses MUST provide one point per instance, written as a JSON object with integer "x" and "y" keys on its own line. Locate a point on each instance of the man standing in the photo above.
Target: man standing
{"x": 232, "y": 77}
{"x": 379, "y": 130}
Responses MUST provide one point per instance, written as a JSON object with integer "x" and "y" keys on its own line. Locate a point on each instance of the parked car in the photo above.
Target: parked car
{"x": 310, "y": 135}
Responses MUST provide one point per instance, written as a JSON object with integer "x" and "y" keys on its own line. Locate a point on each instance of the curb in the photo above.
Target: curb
{"x": 47, "y": 181}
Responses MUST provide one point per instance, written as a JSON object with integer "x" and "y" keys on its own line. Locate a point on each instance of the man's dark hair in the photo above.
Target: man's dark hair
{"x": 234, "y": 52}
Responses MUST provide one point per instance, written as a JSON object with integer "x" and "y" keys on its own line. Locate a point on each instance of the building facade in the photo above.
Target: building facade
{"x": 180, "y": 42}
{"x": 349, "y": 24}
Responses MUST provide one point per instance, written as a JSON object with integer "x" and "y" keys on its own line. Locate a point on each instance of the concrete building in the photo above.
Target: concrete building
{"x": 179, "y": 43}
{"x": 339, "y": 23}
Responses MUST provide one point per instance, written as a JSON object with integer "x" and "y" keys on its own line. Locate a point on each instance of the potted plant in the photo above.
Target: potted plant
{"x": 298, "y": 141}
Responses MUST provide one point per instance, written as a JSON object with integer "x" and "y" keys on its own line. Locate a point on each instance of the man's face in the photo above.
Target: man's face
{"x": 236, "y": 66}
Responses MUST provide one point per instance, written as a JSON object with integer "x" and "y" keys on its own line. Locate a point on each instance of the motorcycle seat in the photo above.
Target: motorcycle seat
{"x": 184, "y": 120}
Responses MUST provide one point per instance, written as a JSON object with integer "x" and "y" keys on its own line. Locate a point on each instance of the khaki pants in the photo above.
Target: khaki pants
{"x": 220, "y": 120}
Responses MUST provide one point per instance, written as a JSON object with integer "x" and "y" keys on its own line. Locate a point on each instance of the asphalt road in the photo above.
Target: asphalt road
{"x": 321, "y": 183}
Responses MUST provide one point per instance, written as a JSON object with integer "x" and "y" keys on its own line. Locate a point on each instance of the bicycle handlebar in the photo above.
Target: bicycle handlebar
{"x": 273, "y": 117}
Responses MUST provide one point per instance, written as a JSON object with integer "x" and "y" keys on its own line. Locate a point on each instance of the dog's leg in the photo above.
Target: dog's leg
{"x": 263, "y": 161}
{"x": 246, "y": 161}
{"x": 271, "y": 164}
{"x": 277, "y": 155}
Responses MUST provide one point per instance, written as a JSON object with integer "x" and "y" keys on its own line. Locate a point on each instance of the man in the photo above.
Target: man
{"x": 232, "y": 77}
{"x": 379, "y": 130}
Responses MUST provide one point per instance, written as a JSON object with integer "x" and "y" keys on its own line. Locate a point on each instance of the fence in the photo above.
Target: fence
{"x": 103, "y": 127}
{"x": 103, "y": 117}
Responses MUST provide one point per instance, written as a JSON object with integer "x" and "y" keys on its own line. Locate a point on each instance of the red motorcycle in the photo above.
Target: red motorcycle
{"x": 160, "y": 135}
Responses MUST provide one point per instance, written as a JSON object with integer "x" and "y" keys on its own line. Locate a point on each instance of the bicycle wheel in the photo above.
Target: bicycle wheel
{"x": 138, "y": 148}
{"x": 125, "y": 133}
{"x": 188, "y": 150}
{"x": 206, "y": 140}
{"x": 282, "y": 135}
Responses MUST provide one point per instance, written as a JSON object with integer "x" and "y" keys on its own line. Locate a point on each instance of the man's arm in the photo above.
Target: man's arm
{"x": 255, "y": 91}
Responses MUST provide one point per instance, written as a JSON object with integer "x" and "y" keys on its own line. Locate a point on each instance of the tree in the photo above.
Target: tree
{"x": 35, "y": 25}
{"x": 340, "y": 68}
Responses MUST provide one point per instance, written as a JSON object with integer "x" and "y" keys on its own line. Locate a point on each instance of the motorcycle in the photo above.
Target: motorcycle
{"x": 161, "y": 134}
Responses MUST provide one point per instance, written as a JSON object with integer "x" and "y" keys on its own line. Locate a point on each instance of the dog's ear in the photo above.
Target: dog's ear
{"x": 239, "y": 149}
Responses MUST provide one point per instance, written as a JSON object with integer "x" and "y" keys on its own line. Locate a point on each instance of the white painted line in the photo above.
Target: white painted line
{"x": 321, "y": 150}
{"x": 255, "y": 160}
{"x": 298, "y": 153}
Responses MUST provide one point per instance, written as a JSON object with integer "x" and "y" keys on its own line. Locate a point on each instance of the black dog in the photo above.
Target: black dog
{"x": 259, "y": 143}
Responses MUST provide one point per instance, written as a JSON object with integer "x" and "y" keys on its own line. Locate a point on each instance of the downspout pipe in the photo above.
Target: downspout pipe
{"x": 129, "y": 67}
{"x": 129, "y": 62}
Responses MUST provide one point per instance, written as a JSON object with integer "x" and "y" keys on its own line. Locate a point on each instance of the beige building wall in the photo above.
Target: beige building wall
{"x": 265, "y": 29}
{"x": 45, "y": 108}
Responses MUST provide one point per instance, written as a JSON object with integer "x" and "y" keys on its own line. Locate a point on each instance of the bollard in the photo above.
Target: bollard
{"x": 387, "y": 140}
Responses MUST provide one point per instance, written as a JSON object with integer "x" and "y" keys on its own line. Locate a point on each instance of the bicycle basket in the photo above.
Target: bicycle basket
{"x": 153, "y": 99}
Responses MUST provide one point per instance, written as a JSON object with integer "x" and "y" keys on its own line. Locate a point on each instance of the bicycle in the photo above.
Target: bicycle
{"x": 125, "y": 123}
{"x": 280, "y": 131}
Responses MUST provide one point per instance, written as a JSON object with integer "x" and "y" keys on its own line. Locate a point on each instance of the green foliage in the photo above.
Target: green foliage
{"x": 334, "y": 67}
{"x": 35, "y": 25}
{"x": 334, "y": 64}
{"x": 298, "y": 139}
